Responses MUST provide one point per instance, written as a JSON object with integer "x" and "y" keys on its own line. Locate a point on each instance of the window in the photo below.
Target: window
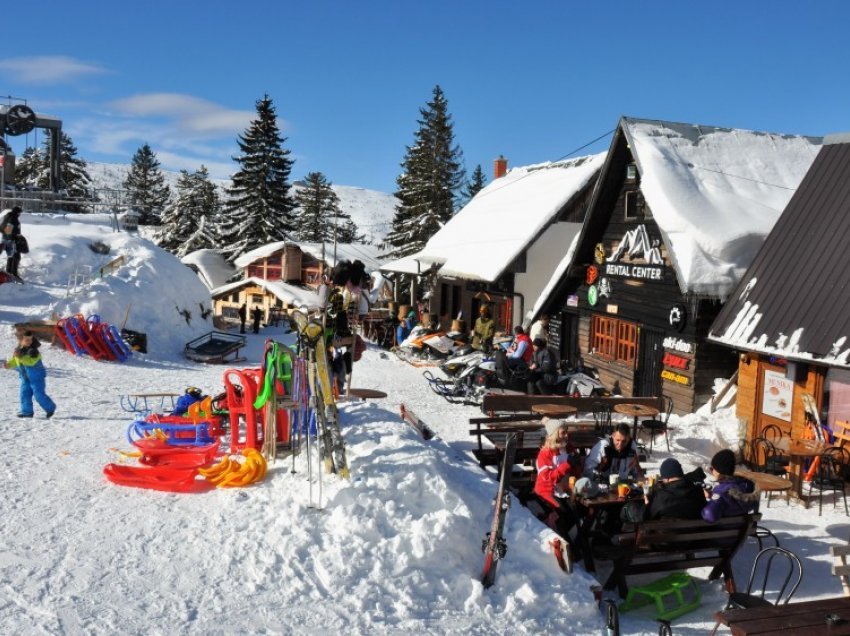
{"x": 632, "y": 206}
{"x": 614, "y": 339}
{"x": 234, "y": 297}
{"x": 257, "y": 299}
{"x": 631, "y": 172}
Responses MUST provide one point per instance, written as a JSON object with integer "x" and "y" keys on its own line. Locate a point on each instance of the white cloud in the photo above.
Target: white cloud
{"x": 192, "y": 116}
{"x": 47, "y": 69}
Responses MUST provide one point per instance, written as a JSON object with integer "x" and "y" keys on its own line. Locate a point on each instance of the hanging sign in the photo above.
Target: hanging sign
{"x": 592, "y": 295}
{"x": 777, "y": 396}
{"x": 678, "y": 378}
{"x": 644, "y": 272}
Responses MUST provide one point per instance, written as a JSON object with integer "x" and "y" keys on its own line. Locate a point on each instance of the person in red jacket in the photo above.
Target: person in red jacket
{"x": 556, "y": 462}
{"x": 520, "y": 350}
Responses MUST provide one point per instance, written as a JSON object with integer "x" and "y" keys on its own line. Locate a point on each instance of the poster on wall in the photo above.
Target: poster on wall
{"x": 778, "y": 395}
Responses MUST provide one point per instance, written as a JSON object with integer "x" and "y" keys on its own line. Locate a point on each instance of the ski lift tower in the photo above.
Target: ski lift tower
{"x": 20, "y": 119}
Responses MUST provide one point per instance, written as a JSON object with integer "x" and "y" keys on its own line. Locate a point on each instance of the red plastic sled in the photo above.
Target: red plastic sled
{"x": 153, "y": 447}
{"x": 157, "y": 478}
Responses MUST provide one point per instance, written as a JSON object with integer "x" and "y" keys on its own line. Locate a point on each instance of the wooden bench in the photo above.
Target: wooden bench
{"x": 519, "y": 424}
{"x": 666, "y": 545}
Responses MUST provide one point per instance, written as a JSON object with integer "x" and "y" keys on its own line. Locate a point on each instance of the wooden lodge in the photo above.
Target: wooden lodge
{"x": 788, "y": 319}
{"x": 526, "y": 218}
{"x": 653, "y": 266}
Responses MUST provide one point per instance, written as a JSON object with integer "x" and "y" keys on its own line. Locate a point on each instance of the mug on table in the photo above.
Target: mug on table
{"x": 623, "y": 490}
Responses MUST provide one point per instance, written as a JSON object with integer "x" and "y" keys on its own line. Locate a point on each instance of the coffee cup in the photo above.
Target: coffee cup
{"x": 623, "y": 490}
{"x": 572, "y": 482}
{"x": 613, "y": 479}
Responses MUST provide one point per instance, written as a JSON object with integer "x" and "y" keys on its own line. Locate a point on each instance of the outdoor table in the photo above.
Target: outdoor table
{"x": 588, "y": 517}
{"x": 765, "y": 481}
{"x": 798, "y": 451}
{"x": 807, "y": 618}
{"x": 553, "y": 410}
{"x": 636, "y": 411}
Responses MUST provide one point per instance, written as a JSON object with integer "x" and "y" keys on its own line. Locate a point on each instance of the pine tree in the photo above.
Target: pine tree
{"x": 74, "y": 179}
{"x": 260, "y": 206}
{"x": 319, "y": 216}
{"x": 474, "y": 185}
{"x": 28, "y": 167}
{"x": 147, "y": 191}
{"x": 188, "y": 222}
{"x": 430, "y": 182}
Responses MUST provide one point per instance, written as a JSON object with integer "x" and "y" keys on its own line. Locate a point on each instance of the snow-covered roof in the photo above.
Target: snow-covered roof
{"x": 494, "y": 228}
{"x": 291, "y": 294}
{"x": 213, "y": 269}
{"x": 369, "y": 255}
{"x": 407, "y": 265}
{"x": 715, "y": 193}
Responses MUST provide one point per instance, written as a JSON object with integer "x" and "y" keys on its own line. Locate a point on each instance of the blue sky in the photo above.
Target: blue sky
{"x": 530, "y": 80}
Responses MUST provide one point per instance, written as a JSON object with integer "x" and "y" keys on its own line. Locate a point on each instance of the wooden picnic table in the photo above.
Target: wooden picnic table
{"x": 765, "y": 481}
{"x": 589, "y": 511}
{"x": 798, "y": 450}
{"x": 636, "y": 411}
{"x": 528, "y": 443}
{"x": 807, "y": 618}
{"x": 553, "y": 410}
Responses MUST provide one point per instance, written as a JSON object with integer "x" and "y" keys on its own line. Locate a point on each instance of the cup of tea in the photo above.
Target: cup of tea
{"x": 613, "y": 479}
{"x": 623, "y": 490}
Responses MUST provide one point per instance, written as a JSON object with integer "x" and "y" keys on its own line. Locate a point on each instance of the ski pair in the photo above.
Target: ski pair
{"x": 494, "y": 545}
{"x": 312, "y": 337}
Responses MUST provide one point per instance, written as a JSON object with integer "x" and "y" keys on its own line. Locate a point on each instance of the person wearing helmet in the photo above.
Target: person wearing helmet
{"x": 193, "y": 394}
{"x": 482, "y": 334}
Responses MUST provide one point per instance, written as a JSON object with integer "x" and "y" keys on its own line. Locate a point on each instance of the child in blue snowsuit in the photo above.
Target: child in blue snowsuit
{"x": 192, "y": 395}
{"x": 27, "y": 360}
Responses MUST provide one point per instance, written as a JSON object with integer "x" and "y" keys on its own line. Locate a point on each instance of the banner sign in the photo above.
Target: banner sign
{"x": 678, "y": 378}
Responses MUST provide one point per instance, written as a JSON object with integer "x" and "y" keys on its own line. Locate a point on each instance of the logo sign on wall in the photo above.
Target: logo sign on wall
{"x": 572, "y": 300}
{"x": 592, "y": 275}
{"x": 678, "y": 378}
{"x": 677, "y": 344}
{"x": 592, "y": 295}
{"x": 605, "y": 288}
{"x": 674, "y": 361}
{"x": 599, "y": 253}
{"x": 676, "y": 317}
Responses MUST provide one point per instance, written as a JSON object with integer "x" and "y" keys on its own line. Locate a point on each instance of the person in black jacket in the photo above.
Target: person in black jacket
{"x": 256, "y": 317}
{"x": 10, "y": 227}
{"x": 543, "y": 367}
{"x": 674, "y": 496}
{"x": 243, "y": 316}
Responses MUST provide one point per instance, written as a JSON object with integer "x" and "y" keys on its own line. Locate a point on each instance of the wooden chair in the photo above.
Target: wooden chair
{"x": 841, "y": 433}
{"x": 658, "y": 426}
{"x": 831, "y": 475}
{"x": 772, "y": 433}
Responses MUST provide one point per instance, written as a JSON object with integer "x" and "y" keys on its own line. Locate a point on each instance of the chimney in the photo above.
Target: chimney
{"x": 500, "y": 167}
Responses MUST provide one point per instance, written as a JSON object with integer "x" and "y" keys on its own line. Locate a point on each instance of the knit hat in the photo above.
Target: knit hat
{"x": 724, "y": 462}
{"x": 551, "y": 425}
{"x": 538, "y": 342}
{"x": 670, "y": 468}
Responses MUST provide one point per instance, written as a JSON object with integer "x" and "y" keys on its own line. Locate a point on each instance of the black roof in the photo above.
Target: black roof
{"x": 799, "y": 279}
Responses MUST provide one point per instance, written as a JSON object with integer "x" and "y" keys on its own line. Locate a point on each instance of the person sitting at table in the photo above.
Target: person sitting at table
{"x": 731, "y": 495}
{"x": 674, "y": 496}
{"x": 556, "y": 461}
{"x": 520, "y": 351}
{"x": 543, "y": 367}
{"x": 614, "y": 455}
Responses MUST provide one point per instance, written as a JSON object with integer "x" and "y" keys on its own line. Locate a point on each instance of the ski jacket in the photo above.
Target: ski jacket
{"x": 545, "y": 362}
{"x": 552, "y": 466}
{"x": 25, "y": 356}
{"x": 522, "y": 349}
{"x": 483, "y": 331}
{"x": 605, "y": 458}
{"x": 731, "y": 496}
{"x": 538, "y": 331}
{"x": 12, "y": 219}
{"x": 183, "y": 404}
{"x": 679, "y": 499}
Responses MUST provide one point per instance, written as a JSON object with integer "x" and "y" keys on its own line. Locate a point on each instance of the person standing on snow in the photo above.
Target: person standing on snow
{"x": 27, "y": 360}
{"x": 243, "y": 316}
{"x": 482, "y": 333}
{"x": 256, "y": 317}
{"x": 10, "y": 227}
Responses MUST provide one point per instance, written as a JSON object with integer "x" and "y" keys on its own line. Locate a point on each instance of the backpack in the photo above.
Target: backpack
{"x": 21, "y": 244}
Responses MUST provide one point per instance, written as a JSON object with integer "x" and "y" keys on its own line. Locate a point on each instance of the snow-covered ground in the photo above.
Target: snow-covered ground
{"x": 397, "y": 549}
